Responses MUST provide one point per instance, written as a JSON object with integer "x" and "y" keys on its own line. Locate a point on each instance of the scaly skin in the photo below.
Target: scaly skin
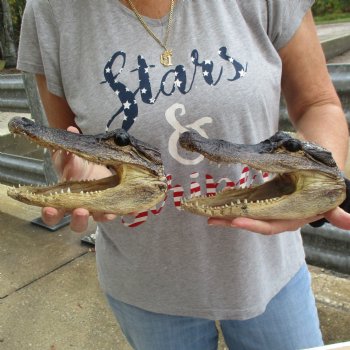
{"x": 307, "y": 183}
{"x": 138, "y": 182}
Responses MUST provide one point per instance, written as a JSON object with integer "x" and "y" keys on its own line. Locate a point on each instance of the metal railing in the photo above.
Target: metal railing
{"x": 16, "y": 169}
{"x": 328, "y": 247}
{"x": 12, "y": 93}
{"x": 18, "y": 93}
{"x": 340, "y": 75}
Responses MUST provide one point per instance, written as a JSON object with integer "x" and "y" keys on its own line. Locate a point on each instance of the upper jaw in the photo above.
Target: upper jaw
{"x": 100, "y": 148}
{"x": 279, "y": 154}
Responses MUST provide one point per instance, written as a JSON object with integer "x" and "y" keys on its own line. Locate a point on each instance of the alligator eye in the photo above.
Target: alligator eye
{"x": 122, "y": 140}
{"x": 292, "y": 145}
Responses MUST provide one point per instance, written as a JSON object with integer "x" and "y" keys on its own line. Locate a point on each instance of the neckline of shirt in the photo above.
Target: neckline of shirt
{"x": 155, "y": 22}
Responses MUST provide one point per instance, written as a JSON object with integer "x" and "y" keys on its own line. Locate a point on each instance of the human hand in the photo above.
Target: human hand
{"x": 69, "y": 167}
{"x": 337, "y": 217}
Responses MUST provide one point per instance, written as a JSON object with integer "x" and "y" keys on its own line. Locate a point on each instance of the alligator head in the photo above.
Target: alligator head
{"x": 307, "y": 181}
{"x": 138, "y": 182}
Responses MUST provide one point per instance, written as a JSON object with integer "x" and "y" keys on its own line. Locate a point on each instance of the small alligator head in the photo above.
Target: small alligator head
{"x": 307, "y": 180}
{"x": 138, "y": 182}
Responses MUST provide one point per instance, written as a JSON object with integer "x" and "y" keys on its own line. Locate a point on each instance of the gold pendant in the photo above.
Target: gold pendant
{"x": 165, "y": 58}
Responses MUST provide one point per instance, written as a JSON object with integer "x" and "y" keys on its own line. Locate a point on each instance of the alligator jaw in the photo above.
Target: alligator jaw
{"x": 307, "y": 181}
{"x": 138, "y": 183}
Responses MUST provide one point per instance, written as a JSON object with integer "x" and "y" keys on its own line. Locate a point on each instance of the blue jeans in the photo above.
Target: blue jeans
{"x": 290, "y": 322}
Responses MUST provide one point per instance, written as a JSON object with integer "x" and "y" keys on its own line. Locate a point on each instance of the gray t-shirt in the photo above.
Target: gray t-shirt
{"x": 225, "y": 83}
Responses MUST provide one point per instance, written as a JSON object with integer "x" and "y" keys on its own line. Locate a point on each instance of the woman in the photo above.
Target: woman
{"x": 157, "y": 68}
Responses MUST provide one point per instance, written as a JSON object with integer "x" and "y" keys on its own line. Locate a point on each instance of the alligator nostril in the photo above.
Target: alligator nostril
{"x": 122, "y": 139}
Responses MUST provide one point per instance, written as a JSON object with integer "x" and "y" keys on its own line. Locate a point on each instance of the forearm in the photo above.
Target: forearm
{"x": 326, "y": 125}
{"x": 312, "y": 101}
{"x": 58, "y": 112}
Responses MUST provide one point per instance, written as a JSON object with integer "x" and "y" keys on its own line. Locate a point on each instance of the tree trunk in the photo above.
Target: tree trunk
{"x": 7, "y": 43}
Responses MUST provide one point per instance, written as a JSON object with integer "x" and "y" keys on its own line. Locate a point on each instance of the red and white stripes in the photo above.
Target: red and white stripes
{"x": 246, "y": 179}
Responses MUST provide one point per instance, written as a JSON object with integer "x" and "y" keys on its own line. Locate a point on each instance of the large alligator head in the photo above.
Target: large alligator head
{"x": 307, "y": 181}
{"x": 138, "y": 182}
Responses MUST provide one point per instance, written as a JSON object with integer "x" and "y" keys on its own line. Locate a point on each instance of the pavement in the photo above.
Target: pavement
{"x": 49, "y": 293}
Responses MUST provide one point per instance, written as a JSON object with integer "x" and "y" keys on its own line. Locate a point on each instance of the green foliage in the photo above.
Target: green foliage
{"x": 345, "y": 5}
{"x": 327, "y": 7}
{"x": 17, "y": 8}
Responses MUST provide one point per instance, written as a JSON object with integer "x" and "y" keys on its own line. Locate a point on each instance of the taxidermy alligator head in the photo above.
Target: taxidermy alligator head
{"x": 138, "y": 182}
{"x": 307, "y": 181}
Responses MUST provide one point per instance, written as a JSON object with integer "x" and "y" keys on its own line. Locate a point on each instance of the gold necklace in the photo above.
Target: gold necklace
{"x": 165, "y": 57}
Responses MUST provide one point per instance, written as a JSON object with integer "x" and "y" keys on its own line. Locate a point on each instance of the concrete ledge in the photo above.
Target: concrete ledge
{"x": 332, "y": 293}
{"x": 336, "y": 46}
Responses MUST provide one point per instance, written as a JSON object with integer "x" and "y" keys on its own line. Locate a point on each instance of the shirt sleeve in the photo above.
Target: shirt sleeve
{"x": 38, "y": 50}
{"x": 284, "y": 18}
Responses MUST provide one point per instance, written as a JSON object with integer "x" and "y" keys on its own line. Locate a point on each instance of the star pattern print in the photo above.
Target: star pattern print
{"x": 178, "y": 78}
{"x": 126, "y": 97}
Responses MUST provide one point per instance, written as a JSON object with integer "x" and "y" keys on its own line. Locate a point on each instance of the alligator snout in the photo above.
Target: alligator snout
{"x": 307, "y": 181}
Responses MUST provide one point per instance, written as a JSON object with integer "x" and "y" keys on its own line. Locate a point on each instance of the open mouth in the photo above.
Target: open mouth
{"x": 259, "y": 201}
{"x": 306, "y": 180}
{"x": 271, "y": 191}
{"x": 137, "y": 183}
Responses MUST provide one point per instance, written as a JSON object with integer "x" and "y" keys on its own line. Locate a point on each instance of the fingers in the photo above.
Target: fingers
{"x": 73, "y": 129}
{"x": 268, "y": 227}
{"x": 79, "y": 220}
{"x": 103, "y": 217}
{"x": 339, "y": 218}
{"x": 79, "y": 217}
{"x": 52, "y": 216}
